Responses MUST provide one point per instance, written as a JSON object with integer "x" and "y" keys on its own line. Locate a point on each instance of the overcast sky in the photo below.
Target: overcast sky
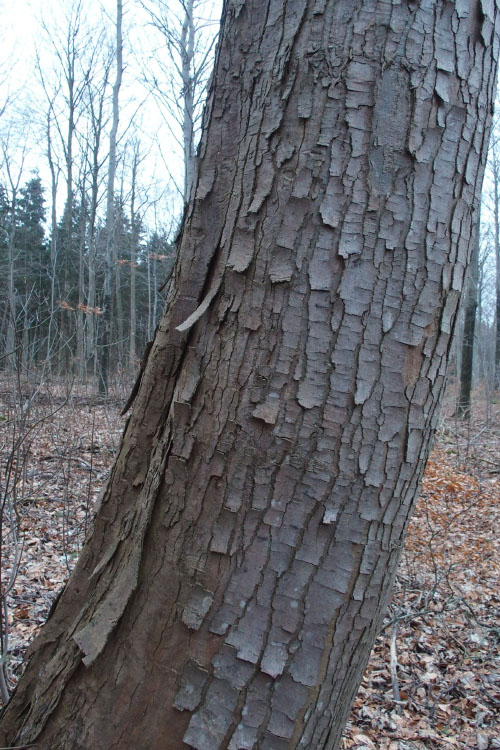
{"x": 21, "y": 34}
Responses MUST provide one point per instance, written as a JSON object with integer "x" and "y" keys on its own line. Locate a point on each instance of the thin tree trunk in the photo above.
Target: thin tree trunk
{"x": 108, "y": 264}
{"x": 155, "y": 298}
{"x": 10, "y": 341}
{"x": 247, "y": 540}
{"x": 467, "y": 359}
{"x": 150, "y": 309}
{"x": 496, "y": 212}
{"x": 54, "y": 173}
{"x": 187, "y": 56}
{"x": 133, "y": 253}
{"x": 91, "y": 322}
{"x": 92, "y": 301}
{"x": 117, "y": 318}
{"x": 97, "y": 120}
{"x": 66, "y": 349}
{"x": 80, "y": 318}
{"x": 24, "y": 337}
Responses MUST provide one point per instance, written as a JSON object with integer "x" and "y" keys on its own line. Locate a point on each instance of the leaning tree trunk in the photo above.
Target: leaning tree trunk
{"x": 246, "y": 542}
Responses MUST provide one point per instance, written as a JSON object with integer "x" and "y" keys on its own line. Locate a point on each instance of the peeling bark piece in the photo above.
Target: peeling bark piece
{"x": 271, "y": 742}
{"x": 265, "y": 180}
{"x": 242, "y": 251}
{"x": 302, "y": 184}
{"x": 350, "y": 244}
{"x": 192, "y": 682}
{"x": 320, "y": 270}
{"x": 282, "y": 266}
{"x": 243, "y": 738}
{"x": 92, "y": 638}
{"x": 197, "y": 607}
{"x": 309, "y": 395}
{"x": 304, "y": 668}
{"x": 330, "y": 515}
{"x": 488, "y": 8}
{"x": 305, "y": 104}
{"x": 449, "y": 311}
{"x": 221, "y": 532}
{"x": 290, "y": 697}
{"x": 268, "y": 411}
{"x": 331, "y": 209}
{"x": 280, "y": 725}
{"x": 228, "y": 667}
{"x": 443, "y": 86}
{"x": 210, "y": 723}
{"x": 201, "y": 309}
{"x": 205, "y": 184}
{"x": 274, "y": 659}
{"x": 249, "y": 635}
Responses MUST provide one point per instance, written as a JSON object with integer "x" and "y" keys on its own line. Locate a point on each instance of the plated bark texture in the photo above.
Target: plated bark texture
{"x": 246, "y": 542}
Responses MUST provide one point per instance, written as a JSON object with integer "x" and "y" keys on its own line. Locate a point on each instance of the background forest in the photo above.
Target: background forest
{"x": 73, "y": 135}
{"x": 62, "y": 246}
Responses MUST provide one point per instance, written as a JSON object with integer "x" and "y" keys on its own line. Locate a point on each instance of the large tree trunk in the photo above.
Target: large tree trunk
{"x": 245, "y": 546}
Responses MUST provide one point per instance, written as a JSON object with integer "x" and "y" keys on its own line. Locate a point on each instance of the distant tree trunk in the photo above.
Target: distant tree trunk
{"x": 96, "y": 102}
{"x": 118, "y": 317}
{"x": 247, "y": 540}
{"x": 187, "y": 62}
{"x": 467, "y": 359}
{"x": 133, "y": 257}
{"x": 54, "y": 179}
{"x": 69, "y": 61}
{"x": 496, "y": 213}
{"x": 150, "y": 291}
{"x": 13, "y": 182}
{"x": 10, "y": 341}
{"x": 104, "y": 364}
{"x": 156, "y": 299}
{"x": 80, "y": 317}
{"x": 92, "y": 258}
{"x": 178, "y": 77}
{"x": 24, "y": 337}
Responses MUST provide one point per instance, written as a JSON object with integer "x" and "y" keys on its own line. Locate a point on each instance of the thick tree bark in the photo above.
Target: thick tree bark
{"x": 247, "y": 539}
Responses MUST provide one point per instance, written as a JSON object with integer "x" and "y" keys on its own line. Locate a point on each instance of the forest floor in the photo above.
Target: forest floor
{"x": 433, "y": 680}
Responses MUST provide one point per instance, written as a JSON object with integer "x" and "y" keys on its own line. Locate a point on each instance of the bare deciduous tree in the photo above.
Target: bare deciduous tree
{"x": 110, "y": 208}
{"x": 178, "y": 73}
